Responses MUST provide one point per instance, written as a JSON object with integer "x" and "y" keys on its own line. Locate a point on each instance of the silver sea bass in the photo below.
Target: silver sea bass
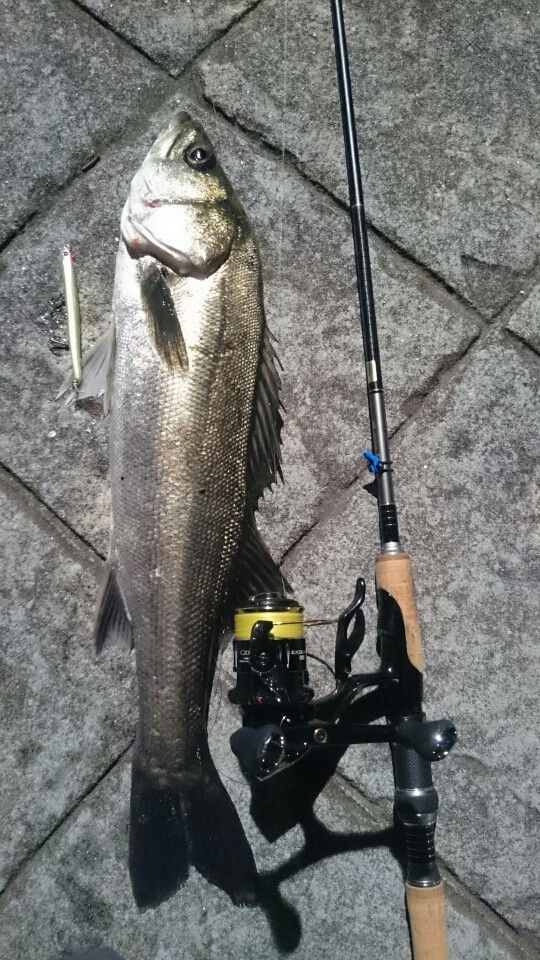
{"x": 195, "y": 439}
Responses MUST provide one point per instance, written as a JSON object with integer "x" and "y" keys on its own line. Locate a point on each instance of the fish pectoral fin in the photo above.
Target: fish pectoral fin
{"x": 97, "y": 375}
{"x": 112, "y": 619}
{"x": 255, "y": 570}
{"x": 162, "y": 318}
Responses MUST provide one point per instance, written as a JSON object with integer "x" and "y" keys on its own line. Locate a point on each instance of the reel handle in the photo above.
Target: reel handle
{"x": 258, "y": 750}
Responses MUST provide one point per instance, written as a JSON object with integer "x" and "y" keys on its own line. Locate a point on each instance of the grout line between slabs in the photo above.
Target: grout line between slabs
{"x": 135, "y": 128}
{"x": 441, "y": 377}
{"x": 334, "y": 498}
{"x": 28, "y": 497}
{"x": 219, "y": 36}
{"x": 117, "y": 33}
{"x": 518, "y": 339}
{"x": 439, "y": 283}
{"x": 58, "y": 825}
{"x": 140, "y": 50}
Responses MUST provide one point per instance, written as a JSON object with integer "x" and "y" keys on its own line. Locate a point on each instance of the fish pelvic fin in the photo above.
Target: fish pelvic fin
{"x": 97, "y": 376}
{"x": 112, "y": 618}
{"x": 190, "y": 820}
{"x": 162, "y": 318}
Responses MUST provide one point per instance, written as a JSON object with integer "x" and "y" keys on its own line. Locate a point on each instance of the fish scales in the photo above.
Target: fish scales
{"x": 195, "y": 436}
{"x": 179, "y": 519}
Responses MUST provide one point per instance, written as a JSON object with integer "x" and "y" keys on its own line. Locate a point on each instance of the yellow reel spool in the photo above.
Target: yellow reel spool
{"x": 286, "y": 615}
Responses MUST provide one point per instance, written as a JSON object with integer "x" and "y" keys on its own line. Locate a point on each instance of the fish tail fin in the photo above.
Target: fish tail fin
{"x": 191, "y": 820}
{"x": 158, "y": 852}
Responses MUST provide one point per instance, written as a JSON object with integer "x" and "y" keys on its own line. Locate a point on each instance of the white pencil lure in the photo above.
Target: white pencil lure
{"x": 73, "y": 312}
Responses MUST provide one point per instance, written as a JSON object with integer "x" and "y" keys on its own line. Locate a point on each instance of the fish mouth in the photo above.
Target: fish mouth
{"x": 139, "y": 239}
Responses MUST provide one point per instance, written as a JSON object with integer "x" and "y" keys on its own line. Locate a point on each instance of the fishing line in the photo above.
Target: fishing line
{"x": 313, "y": 656}
{"x": 283, "y": 119}
{"x": 309, "y": 623}
{"x": 192, "y": 43}
{"x": 217, "y": 684}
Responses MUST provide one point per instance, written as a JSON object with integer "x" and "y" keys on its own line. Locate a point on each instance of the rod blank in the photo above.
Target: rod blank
{"x": 388, "y": 523}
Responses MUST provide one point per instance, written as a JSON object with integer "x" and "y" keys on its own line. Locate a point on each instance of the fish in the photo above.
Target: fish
{"x": 190, "y": 376}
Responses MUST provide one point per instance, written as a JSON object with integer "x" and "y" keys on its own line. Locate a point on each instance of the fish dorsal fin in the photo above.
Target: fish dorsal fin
{"x": 112, "y": 619}
{"x": 264, "y": 454}
{"x": 162, "y": 318}
{"x": 255, "y": 570}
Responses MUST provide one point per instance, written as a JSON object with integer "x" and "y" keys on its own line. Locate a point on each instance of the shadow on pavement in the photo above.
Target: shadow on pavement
{"x": 286, "y": 801}
{"x": 320, "y": 843}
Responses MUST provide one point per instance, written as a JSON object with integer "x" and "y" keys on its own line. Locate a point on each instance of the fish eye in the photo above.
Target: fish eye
{"x": 199, "y": 157}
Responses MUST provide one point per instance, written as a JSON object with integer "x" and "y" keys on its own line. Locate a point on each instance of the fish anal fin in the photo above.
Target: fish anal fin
{"x": 162, "y": 319}
{"x": 112, "y": 618}
{"x": 97, "y": 374}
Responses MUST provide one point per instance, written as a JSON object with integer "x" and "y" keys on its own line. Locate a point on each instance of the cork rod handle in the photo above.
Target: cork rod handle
{"x": 393, "y": 572}
{"x": 425, "y": 905}
{"x": 427, "y": 917}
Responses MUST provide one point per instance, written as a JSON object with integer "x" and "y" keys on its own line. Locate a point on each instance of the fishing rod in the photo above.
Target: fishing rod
{"x": 412, "y": 776}
{"x": 282, "y": 721}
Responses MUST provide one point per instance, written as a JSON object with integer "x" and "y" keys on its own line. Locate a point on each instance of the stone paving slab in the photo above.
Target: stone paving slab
{"x": 310, "y": 294}
{"x": 64, "y": 716}
{"x": 445, "y": 98}
{"x": 525, "y": 322}
{"x": 68, "y": 88}
{"x": 171, "y": 32}
{"x": 75, "y": 895}
{"x": 467, "y": 480}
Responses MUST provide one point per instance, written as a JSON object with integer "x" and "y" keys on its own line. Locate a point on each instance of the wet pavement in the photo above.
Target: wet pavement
{"x": 446, "y": 128}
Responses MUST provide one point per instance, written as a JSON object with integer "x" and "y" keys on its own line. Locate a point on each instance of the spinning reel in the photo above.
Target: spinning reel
{"x": 282, "y": 721}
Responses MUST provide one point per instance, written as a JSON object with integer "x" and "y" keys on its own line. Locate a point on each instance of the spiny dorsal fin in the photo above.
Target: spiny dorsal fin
{"x": 254, "y": 570}
{"x": 112, "y": 618}
{"x": 264, "y": 455}
{"x": 163, "y": 320}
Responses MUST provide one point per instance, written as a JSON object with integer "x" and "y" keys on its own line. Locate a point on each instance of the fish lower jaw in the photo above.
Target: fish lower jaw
{"x": 140, "y": 242}
{"x": 139, "y": 247}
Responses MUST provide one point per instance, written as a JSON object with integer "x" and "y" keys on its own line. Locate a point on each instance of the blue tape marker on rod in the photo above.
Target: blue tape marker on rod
{"x": 374, "y": 463}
